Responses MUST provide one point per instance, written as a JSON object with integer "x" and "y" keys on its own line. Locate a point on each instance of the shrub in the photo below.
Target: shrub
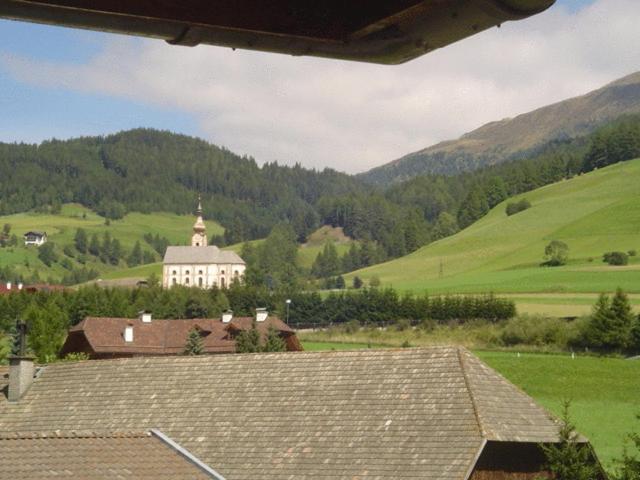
{"x": 535, "y": 330}
{"x": 556, "y": 253}
{"x": 403, "y": 324}
{"x": 632, "y": 253}
{"x": 516, "y": 207}
{"x": 616, "y": 258}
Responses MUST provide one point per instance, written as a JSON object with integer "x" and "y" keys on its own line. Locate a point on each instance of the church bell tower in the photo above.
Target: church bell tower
{"x": 199, "y": 237}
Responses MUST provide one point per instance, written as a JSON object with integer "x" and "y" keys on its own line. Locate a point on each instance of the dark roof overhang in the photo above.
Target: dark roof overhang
{"x": 379, "y": 31}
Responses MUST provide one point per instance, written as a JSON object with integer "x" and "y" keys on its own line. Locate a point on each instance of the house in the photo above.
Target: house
{"x": 35, "y": 238}
{"x": 10, "y": 287}
{"x": 430, "y": 413}
{"x": 200, "y": 265}
{"x": 101, "y": 337}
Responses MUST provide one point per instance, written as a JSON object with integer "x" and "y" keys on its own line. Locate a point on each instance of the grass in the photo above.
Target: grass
{"x": 603, "y": 391}
{"x": 62, "y": 227}
{"x": 592, "y": 213}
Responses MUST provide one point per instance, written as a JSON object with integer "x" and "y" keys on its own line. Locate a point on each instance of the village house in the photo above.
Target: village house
{"x": 101, "y": 337}
{"x": 200, "y": 265}
{"x": 430, "y": 413}
{"x": 35, "y": 238}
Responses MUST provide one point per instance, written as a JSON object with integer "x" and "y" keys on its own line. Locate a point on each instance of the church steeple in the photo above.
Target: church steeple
{"x": 199, "y": 237}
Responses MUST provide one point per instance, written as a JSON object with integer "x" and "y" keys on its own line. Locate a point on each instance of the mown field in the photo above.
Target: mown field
{"x": 603, "y": 391}
{"x": 593, "y": 214}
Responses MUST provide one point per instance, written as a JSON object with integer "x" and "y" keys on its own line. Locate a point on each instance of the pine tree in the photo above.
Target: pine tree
{"x": 623, "y": 319}
{"x": 194, "y": 345}
{"x": 80, "y": 240}
{"x": 94, "y": 245}
{"x": 248, "y": 341}
{"x": 135, "y": 258}
{"x": 569, "y": 459}
{"x": 274, "y": 342}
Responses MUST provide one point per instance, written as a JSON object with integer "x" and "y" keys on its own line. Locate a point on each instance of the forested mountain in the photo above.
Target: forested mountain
{"x": 146, "y": 170}
{"x": 518, "y": 137}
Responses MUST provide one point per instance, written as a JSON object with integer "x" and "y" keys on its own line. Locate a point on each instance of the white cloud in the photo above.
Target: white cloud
{"x": 353, "y": 116}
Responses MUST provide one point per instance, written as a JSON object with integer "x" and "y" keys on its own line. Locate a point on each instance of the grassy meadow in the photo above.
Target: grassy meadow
{"x": 592, "y": 213}
{"x": 603, "y": 391}
{"x": 62, "y": 227}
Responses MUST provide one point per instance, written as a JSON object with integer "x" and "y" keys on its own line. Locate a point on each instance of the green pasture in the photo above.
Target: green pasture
{"x": 603, "y": 392}
{"x": 61, "y": 229}
{"x": 592, "y": 213}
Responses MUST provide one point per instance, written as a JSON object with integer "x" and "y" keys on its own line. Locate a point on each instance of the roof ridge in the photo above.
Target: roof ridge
{"x": 470, "y": 392}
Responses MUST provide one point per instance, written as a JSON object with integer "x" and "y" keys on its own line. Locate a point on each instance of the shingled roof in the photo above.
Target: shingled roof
{"x": 374, "y": 414}
{"x": 104, "y": 335}
{"x": 89, "y": 455}
{"x": 204, "y": 255}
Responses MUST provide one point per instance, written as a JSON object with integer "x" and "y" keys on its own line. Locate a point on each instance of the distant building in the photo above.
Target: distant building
{"x": 35, "y": 238}
{"x": 9, "y": 287}
{"x": 201, "y": 265}
{"x": 103, "y": 337}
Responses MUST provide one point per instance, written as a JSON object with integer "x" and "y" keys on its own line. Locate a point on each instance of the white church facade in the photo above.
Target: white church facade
{"x": 201, "y": 265}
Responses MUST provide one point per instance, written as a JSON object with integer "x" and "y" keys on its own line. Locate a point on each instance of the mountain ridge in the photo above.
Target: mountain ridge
{"x": 510, "y": 138}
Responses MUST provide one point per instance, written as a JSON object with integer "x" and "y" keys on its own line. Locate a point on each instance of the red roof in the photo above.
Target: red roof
{"x": 105, "y": 335}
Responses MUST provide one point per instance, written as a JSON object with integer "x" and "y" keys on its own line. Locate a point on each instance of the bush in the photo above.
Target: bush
{"x": 403, "y": 324}
{"x": 616, "y": 258}
{"x": 536, "y": 330}
{"x": 556, "y": 253}
{"x": 632, "y": 253}
{"x": 516, "y": 207}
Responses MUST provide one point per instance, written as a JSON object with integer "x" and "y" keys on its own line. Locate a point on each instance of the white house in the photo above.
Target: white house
{"x": 201, "y": 265}
{"x": 35, "y": 238}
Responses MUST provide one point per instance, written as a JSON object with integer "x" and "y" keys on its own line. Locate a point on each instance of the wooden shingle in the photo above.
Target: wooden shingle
{"x": 371, "y": 414}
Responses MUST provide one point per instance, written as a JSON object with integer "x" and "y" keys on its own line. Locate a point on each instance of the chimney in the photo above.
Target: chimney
{"x": 20, "y": 286}
{"x": 227, "y": 316}
{"x": 21, "y": 370}
{"x": 128, "y": 333}
{"x": 261, "y": 314}
{"x": 145, "y": 316}
{"x": 8, "y": 285}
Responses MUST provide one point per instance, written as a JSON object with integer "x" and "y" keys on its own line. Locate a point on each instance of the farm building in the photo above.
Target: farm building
{"x": 433, "y": 413}
{"x": 103, "y": 337}
{"x": 35, "y": 238}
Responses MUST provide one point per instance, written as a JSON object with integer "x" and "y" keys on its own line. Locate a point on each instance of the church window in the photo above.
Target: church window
{"x": 175, "y": 281}
{"x": 200, "y": 272}
{"x": 236, "y": 273}
{"x": 197, "y": 244}
{"x": 222, "y": 282}
{"x": 186, "y": 281}
{"x": 222, "y": 272}
{"x": 175, "y": 272}
{"x": 186, "y": 272}
{"x": 200, "y": 281}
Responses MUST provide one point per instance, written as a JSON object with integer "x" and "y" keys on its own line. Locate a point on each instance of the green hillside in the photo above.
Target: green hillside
{"x": 592, "y": 213}
{"x": 62, "y": 227}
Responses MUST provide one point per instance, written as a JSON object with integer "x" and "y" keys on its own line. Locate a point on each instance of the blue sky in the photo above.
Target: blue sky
{"x": 76, "y": 95}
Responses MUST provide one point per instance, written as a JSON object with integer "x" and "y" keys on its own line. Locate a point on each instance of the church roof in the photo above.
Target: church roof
{"x": 204, "y": 255}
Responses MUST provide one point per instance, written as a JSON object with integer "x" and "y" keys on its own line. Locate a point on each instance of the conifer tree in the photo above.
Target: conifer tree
{"x": 194, "y": 345}
{"x": 569, "y": 459}
{"x": 80, "y": 240}
{"x": 274, "y": 342}
{"x": 248, "y": 341}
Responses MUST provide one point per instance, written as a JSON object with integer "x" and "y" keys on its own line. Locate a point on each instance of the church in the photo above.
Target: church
{"x": 201, "y": 265}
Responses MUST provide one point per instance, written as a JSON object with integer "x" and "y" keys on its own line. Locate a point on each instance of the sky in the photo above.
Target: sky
{"x": 61, "y": 83}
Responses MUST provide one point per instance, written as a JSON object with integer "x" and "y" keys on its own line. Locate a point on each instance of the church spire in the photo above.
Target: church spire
{"x": 199, "y": 237}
